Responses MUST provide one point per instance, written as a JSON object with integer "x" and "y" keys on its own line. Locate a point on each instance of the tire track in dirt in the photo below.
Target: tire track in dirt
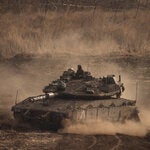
{"x": 93, "y": 143}
{"x": 119, "y": 143}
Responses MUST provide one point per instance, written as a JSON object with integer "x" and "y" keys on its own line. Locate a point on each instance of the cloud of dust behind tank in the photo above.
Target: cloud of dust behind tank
{"x": 144, "y": 116}
{"x": 106, "y": 127}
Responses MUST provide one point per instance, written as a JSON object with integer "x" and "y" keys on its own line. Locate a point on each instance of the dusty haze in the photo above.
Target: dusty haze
{"x": 35, "y": 47}
{"x": 105, "y": 127}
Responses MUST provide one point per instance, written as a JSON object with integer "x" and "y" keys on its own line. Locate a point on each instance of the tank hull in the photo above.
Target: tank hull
{"x": 51, "y": 114}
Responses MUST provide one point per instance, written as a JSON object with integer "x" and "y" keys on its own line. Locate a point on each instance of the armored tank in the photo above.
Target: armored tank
{"x": 77, "y": 96}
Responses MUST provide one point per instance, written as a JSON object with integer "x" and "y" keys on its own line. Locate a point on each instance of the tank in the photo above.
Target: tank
{"x": 77, "y": 96}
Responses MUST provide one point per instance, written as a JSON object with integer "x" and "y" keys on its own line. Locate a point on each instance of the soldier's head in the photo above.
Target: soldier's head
{"x": 79, "y": 67}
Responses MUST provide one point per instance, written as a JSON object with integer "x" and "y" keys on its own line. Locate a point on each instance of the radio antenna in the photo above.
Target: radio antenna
{"x": 136, "y": 96}
{"x": 16, "y": 97}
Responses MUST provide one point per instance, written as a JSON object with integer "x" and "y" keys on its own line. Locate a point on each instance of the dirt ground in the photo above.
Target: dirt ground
{"x": 49, "y": 141}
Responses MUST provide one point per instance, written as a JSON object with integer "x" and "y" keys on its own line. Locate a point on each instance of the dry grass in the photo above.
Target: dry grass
{"x": 81, "y": 32}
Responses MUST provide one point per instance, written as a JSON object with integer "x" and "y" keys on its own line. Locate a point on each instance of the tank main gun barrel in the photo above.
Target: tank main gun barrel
{"x": 44, "y": 96}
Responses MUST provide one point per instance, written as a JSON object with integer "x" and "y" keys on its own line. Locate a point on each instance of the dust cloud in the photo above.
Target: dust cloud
{"x": 95, "y": 127}
{"x": 144, "y": 116}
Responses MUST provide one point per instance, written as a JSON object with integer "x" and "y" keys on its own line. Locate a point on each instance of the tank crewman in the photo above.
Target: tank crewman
{"x": 71, "y": 72}
{"x": 80, "y": 72}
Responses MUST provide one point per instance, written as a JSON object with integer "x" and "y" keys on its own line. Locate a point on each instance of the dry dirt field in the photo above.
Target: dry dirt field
{"x": 53, "y": 141}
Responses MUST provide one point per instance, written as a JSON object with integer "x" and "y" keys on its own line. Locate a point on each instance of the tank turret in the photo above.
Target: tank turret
{"x": 81, "y": 84}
